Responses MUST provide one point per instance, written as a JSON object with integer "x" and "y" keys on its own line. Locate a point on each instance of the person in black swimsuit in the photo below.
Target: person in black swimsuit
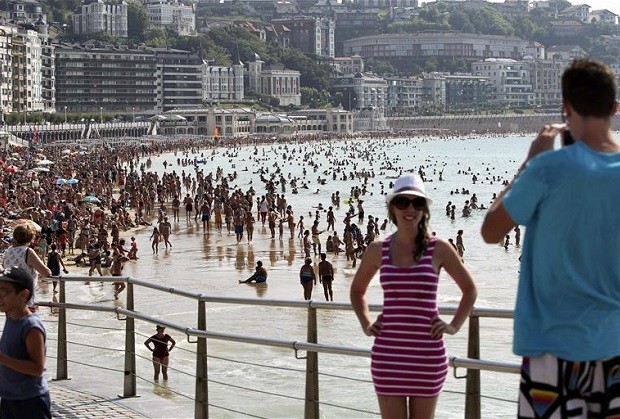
{"x": 160, "y": 351}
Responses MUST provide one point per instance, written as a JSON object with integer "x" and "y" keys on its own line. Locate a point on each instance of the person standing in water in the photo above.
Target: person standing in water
{"x": 326, "y": 276}
{"x": 161, "y": 351}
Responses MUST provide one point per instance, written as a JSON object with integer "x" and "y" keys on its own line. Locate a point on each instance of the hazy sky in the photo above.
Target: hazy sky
{"x": 612, "y": 5}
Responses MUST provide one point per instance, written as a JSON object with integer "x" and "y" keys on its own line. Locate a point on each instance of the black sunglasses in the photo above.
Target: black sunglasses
{"x": 402, "y": 203}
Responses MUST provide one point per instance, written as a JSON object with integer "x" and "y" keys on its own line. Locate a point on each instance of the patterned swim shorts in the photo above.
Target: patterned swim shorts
{"x": 555, "y": 388}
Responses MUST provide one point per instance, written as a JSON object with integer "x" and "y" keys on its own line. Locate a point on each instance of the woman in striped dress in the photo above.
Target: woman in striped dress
{"x": 409, "y": 362}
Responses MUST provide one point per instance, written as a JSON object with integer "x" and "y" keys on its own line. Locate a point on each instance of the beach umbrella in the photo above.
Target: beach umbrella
{"x": 11, "y": 169}
{"x": 66, "y": 151}
{"x": 27, "y": 222}
{"x": 72, "y": 181}
{"x": 61, "y": 181}
{"x": 39, "y": 169}
{"x": 89, "y": 199}
{"x": 45, "y": 162}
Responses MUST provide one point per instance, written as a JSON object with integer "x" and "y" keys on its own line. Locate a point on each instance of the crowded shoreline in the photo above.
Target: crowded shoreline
{"x": 90, "y": 203}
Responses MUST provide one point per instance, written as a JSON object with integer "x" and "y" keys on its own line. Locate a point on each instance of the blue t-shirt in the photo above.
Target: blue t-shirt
{"x": 15, "y": 385}
{"x": 568, "y": 299}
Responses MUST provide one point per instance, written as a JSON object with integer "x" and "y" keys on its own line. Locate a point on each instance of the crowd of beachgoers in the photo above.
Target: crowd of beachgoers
{"x": 83, "y": 204}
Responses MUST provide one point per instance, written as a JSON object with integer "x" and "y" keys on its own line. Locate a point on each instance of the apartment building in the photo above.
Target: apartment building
{"x": 48, "y": 68}
{"x": 222, "y": 84}
{"x": 179, "y": 79}
{"x": 510, "y": 81}
{"x": 177, "y": 16}
{"x": 26, "y": 71}
{"x": 545, "y": 76}
{"x": 312, "y": 35}
{"x": 466, "y": 91}
{"x": 6, "y": 70}
{"x": 403, "y": 95}
{"x": 347, "y": 65}
{"x": 362, "y": 91}
{"x": 95, "y": 77}
{"x": 25, "y": 11}
{"x": 97, "y": 16}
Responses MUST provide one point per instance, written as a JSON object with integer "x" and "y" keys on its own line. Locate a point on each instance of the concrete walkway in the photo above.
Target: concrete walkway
{"x": 70, "y": 403}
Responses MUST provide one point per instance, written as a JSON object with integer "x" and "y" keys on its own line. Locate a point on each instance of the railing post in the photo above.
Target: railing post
{"x": 129, "y": 386}
{"x": 201, "y": 404}
{"x": 472, "y": 386}
{"x": 311, "y": 408}
{"x": 62, "y": 371}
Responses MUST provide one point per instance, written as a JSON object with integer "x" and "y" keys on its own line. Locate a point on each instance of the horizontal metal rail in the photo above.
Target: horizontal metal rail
{"x": 457, "y": 362}
{"x": 323, "y": 305}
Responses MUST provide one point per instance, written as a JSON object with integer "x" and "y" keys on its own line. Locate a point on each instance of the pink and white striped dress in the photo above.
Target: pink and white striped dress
{"x": 406, "y": 360}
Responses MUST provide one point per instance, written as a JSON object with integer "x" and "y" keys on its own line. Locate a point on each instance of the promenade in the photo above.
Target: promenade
{"x": 69, "y": 402}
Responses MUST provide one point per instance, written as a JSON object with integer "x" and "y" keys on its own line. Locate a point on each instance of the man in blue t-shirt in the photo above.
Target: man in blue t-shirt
{"x": 567, "y": 314}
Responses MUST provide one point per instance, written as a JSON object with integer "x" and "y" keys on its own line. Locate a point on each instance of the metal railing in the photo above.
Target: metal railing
{"x": 472, "y": 363}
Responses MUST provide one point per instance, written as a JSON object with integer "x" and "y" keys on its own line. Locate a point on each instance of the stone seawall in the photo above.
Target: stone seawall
{"x": 468, "y": 124}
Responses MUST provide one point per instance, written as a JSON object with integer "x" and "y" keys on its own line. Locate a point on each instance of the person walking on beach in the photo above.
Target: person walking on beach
{"x": 161, "y": 351}
{"x": 239, "y": 220}
{"x": 116, "y": 268}
{"x": 155, "y": 240}
{"x": 316, "y": 241}
{"x": 165, "y": 229}
{"x": 54, "y": 262}
{"x": 307, "y": 278}
{"x": 408, "y": 360}
{"x": 460, "y": 247}
{"x": 94, "y": 259}
{"x": 567, "y": 314}
{"x": 23, "y": 388}
{"x": 326, "y": 276}
{"x": 189, "y": 206}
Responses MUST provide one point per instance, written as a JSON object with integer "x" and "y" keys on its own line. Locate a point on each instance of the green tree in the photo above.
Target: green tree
{"x": 137, "y": 21}
{"x": 157, "y": 36}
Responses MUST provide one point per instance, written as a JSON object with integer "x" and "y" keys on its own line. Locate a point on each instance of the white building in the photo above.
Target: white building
{"x": 348, "y": 65}
{"x": 535, "y": 50}
{"x": 510, "y": 81}
{"x": 362, "y": 91}
{"x": 222, "y": 84}
{"x": 403, "y": 95}
{"x": 276, "y": 82}
{"x": 545, "y": 76}
{"x": 604, "y": 15}
{"x": 331, "y": 120}
{"x": 566, "y": 52}
{"x": 6, "y": 70}
{"x": 436, "y": 44}
{"x": 580, "y": 12}
{"x": 27, "y": 78}
{"x": 98, "y": 16}
{"x": 173, "y": 14}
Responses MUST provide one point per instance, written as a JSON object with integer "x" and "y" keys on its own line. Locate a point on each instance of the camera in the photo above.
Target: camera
{"x": 567, "y": 138}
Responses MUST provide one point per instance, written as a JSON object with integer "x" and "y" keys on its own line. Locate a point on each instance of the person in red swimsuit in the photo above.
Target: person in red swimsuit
{"x": 160, "y": 351}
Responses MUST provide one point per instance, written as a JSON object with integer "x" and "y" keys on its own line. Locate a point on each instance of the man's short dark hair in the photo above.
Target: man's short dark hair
{"x": 590, "y": 88}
